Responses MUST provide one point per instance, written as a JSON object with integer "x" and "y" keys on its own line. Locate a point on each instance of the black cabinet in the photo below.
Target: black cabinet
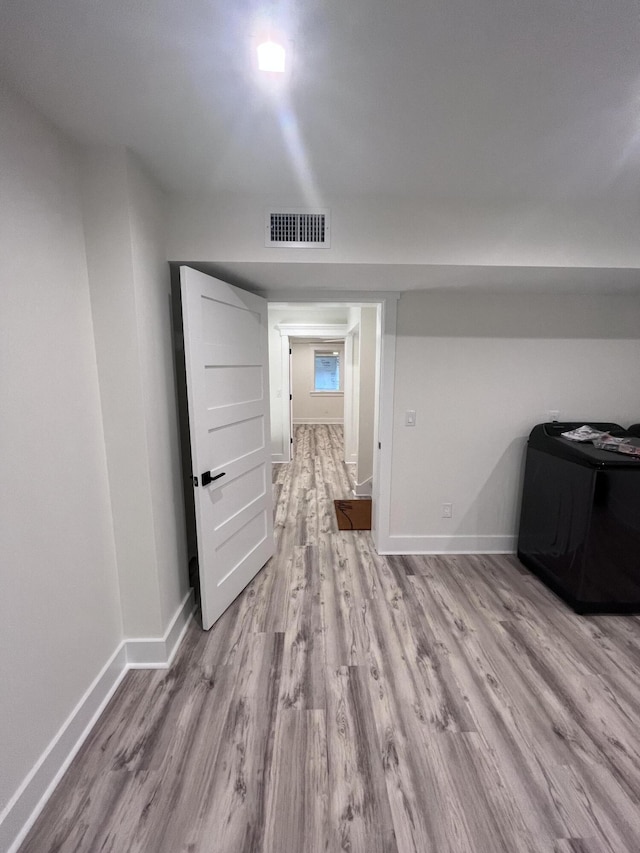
{"x": 580, "y": 520}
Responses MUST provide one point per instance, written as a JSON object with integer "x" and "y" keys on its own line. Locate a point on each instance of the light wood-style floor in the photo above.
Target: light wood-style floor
{"x": 350, "y": 702}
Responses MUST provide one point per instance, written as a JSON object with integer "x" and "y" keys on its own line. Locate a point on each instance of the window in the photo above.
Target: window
{"x": 326, "y": 372}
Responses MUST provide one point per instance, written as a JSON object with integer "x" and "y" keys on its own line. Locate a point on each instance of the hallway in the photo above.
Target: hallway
{"x": 351, "y": 702}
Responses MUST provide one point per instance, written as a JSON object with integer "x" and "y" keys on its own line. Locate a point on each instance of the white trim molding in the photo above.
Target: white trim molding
{"x": 364, "y": 489}
{"x": 23, "y": 808}
{"x": 151, "y": 653}
{"x": 318, "y": 420}
{"x": 474, "y": 544}
{"x": 284, "y": 453}
{"x": 331, "y": 297}
{"x": 383, "y": 435}
{"x": 313, "y": 330}
{"x": 28, "y": 801}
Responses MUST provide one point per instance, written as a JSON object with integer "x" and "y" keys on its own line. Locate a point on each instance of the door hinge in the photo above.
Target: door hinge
{"x": 195, "y": 481}
{"x": 379, "y": 446}
{"x": 291, "y": 440}
{"x": 291, "y": 396}
{"x": 290, "y": 351}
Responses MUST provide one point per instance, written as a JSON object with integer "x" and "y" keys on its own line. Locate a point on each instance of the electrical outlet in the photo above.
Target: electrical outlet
{"x": 553, "y": 415}
{"x": 410, "y": 418}
{"x": 447, "y": 510}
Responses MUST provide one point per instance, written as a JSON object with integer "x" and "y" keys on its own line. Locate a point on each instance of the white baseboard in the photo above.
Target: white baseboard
{"x": 23, "y": 808}
{"x": 475, "y": 544}
{"x": 158, "y": 653}
{"x": 364, "y": 489}
{"x": 28, "y": 801}
{"x": 318, "y": 420}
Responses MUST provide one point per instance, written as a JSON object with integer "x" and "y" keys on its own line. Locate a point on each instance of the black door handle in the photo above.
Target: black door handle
{"x": 207, "y": 478}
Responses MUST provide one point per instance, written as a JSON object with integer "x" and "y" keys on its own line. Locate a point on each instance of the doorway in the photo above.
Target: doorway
{"x": 363, "y": 330}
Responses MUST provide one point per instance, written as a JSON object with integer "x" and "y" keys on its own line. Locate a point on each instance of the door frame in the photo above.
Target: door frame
{"x": 387, "y": 303}
{"x": 285, "y": 451}
{"x": 350, "y": 409}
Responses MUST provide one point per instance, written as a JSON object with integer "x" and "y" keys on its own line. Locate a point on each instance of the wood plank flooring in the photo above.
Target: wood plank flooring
{"x": 351, "y": 702}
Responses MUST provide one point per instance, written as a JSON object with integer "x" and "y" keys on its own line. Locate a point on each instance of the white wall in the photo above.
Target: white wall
{"x": 386, "y": 230}
{"x": 95, "y": 567}
{"x": 152, "y": 288}
{"x": 129, "y": 284}
{"x": 59, "y": 608}
{"x": 113, "y": 303}
{"x": 481, "y": 371}
{"x": 310, "y": 407}
{"x": 366, "y": 397}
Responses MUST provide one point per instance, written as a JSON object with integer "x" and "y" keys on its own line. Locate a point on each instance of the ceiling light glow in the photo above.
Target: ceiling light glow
{"x": 271, "y": 57}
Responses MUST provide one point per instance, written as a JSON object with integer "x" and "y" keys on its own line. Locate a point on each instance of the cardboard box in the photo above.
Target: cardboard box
{"x": 354, "y": 514}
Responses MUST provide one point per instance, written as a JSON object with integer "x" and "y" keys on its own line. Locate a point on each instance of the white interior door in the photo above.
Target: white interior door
{"x": 226, "y": 356}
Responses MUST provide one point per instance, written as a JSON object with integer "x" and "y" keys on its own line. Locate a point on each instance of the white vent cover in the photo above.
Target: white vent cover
{"x": 298, "y": 228}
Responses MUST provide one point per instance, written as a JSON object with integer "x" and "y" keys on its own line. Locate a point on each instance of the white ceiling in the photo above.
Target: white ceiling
{"x": 480, "y": 100}
{"x": 465, "y": 98}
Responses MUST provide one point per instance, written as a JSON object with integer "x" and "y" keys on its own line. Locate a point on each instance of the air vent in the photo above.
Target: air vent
{"x": 297, "y": 228}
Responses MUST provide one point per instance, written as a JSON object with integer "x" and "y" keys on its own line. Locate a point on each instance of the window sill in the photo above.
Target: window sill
{"x": 326, "y": 393}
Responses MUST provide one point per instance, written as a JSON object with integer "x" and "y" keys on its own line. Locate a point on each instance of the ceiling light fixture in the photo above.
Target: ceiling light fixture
{"x": 271, "y": 57}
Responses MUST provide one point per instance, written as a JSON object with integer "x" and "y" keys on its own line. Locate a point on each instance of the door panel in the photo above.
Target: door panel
{"x": 241, "y": 491}
{"x": 234, "y": 441}
{"x": 227, "y": 390}
{"x": 229, "y": 385}
{"x": 244, "y": 536}
{"x": 230, "y": 327}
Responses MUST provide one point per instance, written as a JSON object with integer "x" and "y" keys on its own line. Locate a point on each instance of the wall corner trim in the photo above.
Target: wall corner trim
{"x": 157, "y": 653}
{"x": 23, "y": 808}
